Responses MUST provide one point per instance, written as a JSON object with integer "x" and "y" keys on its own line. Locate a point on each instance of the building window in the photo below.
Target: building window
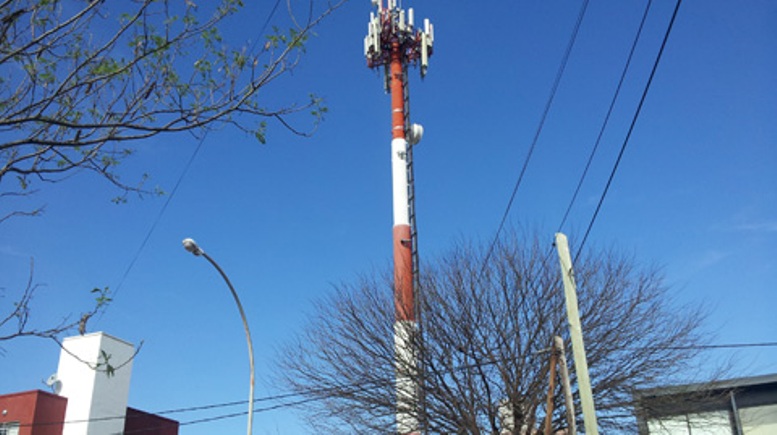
{"x": 11, "y": 428}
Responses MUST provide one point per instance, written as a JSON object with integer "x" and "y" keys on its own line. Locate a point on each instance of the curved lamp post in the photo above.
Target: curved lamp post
{"x": 191, "y": 246}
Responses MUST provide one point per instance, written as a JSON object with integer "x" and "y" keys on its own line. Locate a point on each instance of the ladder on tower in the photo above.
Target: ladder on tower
{"x": 417, "y": 294}
{"x": 411, "y": 195}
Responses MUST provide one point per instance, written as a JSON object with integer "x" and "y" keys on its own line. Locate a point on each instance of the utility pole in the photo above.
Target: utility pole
{"x": 551, "y": 389}
{"x": 392, "y": 42}
{"x": 576, "y": 333}
{"x": 570, "y": 403}
{"x": 558, "y": 360}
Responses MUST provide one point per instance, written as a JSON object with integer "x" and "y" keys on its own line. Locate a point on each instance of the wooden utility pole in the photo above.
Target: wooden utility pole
{"x": 558, "y": 345}
{"x": 558, "y": 361}
{"x": 551, "y": 390}
{"x": 576, "y": 334}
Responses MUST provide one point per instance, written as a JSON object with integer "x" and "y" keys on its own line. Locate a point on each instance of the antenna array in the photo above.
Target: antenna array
{"x": 392, "y": 24}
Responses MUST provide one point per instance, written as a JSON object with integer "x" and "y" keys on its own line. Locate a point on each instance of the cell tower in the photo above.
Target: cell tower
{"x": 393, "y": 43}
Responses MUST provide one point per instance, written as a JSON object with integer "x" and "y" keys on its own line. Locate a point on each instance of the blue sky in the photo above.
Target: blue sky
{"x": 696, "y": 191}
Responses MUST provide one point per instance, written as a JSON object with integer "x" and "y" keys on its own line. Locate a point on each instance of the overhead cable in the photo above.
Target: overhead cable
{"x": 311, "y": 395}
{"x": 180, "y": 177}
{"x": 607, "y": 116}
{"x": 537, "y": 133}
{"x": 631, "y": 129}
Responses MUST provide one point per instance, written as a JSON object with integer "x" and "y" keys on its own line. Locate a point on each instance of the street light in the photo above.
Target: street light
{"x": 191, "y": 246}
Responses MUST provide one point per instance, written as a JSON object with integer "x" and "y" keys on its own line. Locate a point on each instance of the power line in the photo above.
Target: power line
{"x": 631, "y": 128}
{"x": 609, "y": 113}
{"x": 605, "y": 122}
{"x": 271, "y": 398}
{"x": 313, "y": 395}
{"x": 710, "y": 346}
{"x": 181, "y": 177}
{"x": 266, "y": 23}
{"x": 540, "y": 126}
{"x": 159, "y": 215}
{"x": 256, "y": 410}
{"x": 225, "y": 416}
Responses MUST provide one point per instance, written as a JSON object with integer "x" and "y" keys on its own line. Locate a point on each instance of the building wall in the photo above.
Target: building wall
{"x": 97, "y": 400}
{"x": 91, "y": 401}
{"x": 759, "y": 420}
{"x": 42, "y": 413}
{"x": 746, "y": 406}
{"x": 38, "y": 412}
{"x": 144, "y": 423}
{"x": 756, "y": 420}
{"x": 708, "y": 423}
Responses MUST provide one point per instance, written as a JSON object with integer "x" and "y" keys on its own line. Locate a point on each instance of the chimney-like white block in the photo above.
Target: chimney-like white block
{"x": 96, "y": 400}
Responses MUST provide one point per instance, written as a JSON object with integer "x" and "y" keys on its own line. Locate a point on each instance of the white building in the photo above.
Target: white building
{"x": 94, "y": 371}
{"x": 744, "y": 406}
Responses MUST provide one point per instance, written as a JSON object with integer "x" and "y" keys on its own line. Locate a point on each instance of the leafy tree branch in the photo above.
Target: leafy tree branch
{"x": 80, "y": 81}
{"x": 16, "y": 323}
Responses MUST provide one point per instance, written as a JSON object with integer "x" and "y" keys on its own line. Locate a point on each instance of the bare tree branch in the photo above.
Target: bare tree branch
{"x": 483, "y": 329}
{"x": 16, "y": 323}
{"x": 103, "y": 363}
{"x": 80, "y": 81}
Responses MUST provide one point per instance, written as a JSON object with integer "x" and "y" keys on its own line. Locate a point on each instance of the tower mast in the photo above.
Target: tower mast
{"x": 392, "y": 42}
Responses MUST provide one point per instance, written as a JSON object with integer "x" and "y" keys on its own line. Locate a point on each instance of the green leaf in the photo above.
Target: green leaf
{"x": 260, "y": 132}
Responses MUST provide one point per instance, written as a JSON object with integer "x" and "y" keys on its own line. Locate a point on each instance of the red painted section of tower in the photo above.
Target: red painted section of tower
{"x": 403, "y": 258}
{"x": 397, "y": 92}
{"x": 403, "y": 274}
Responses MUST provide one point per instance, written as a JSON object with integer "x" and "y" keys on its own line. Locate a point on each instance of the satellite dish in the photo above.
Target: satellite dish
{"x": 54, "y": 383}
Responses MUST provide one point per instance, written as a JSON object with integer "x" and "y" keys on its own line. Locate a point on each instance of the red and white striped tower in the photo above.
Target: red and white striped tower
{"x": 393, "y": 43}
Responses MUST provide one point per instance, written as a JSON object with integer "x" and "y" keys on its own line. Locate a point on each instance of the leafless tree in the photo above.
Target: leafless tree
{"x": 484, "y": 330}
{"x": 16, "y": 322}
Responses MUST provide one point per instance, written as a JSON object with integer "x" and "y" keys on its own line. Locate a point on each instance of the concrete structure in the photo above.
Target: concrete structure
{"x": 144, "y": 423}
{"x": 41, "y": 413}
{"x": 743, "y": 406}
{"x": 32, "y": 413}
{"x": 92, "y": 382}
{"x": 95, "y": 391}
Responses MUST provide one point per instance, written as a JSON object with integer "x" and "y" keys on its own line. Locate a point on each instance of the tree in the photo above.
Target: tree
{"x": 81, "y": 81}
{"x": 15, "y": 323}
{"x": 484, "y": 330}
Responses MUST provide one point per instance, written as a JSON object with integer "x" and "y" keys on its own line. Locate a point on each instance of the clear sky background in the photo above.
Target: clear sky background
{"x": 696, "y": 191}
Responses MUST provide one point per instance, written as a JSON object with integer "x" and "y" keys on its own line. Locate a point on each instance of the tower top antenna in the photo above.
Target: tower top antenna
{"x": 391, "y": 24}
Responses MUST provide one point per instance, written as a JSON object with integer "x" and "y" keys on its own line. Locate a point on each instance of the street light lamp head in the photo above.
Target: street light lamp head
{"x": 191, "y": 246}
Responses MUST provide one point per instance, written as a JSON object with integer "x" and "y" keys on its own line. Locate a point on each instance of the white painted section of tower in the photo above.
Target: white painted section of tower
{"x": 406, "y": 367}
{"x": 399, "y": 181}
{"x": 92, "y": 394}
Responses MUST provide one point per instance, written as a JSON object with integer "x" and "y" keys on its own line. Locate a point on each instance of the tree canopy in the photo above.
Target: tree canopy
{"x": 485, "y": 331}
{"x": 81, "y": 82}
